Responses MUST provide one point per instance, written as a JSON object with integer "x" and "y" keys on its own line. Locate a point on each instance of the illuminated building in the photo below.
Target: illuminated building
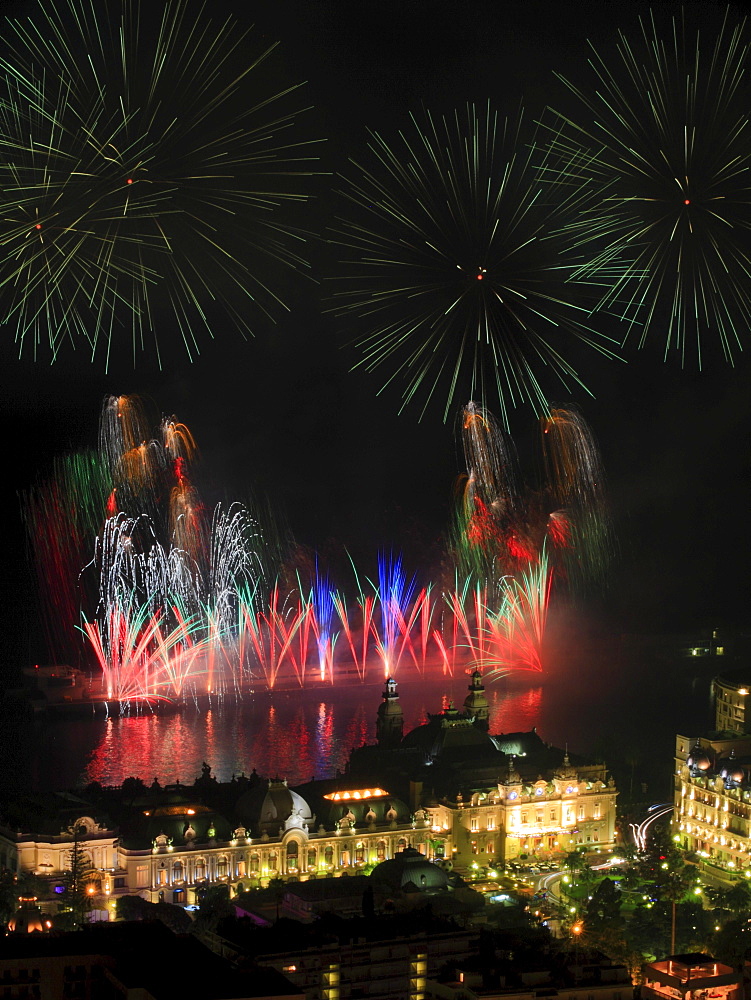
{"x": 731, "y": 693}
{"x": 712, "y": 797}
{"x": 448, "y": 789}
{"x": 380, "y": 968}
{"x": 494, "y": 797}
{"x": 692, "y": 975}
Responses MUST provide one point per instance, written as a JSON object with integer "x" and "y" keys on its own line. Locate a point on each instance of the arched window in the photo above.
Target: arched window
{"x": 329, "y": 854}
{"x": 312, "y": 857}
{"x": 401, "y": 844}
{"x": 381, "y": 850}
{"x": 255, "y": 863}
{"x": 221, "y": 867}
{"x": 161, "y": 875}
{"x": 360, "y": 853}
{"x": 292, "y": 849}
{"x": 177, "y": 871}
{"x": 200, "y": 869}
{"x": 240, "y": 867}
{"x": 272, "y": 861}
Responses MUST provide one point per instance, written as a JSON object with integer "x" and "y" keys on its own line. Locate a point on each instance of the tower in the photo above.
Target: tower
{"x": 476, "y": 704}
{"x": 390, "y": 721}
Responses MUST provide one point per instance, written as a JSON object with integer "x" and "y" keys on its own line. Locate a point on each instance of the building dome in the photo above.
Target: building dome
{"x": 698, "y": 759}
{"x": 274, "y": 809}
{"x": 732, "y": 770}
{"x": 410, "y": 868}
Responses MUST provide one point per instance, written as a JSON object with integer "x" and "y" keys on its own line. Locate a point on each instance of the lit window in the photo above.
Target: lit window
{"x": 356, "y": 795}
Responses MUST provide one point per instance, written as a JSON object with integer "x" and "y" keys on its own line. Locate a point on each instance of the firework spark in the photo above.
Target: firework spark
{"x": 454, "y": 267}
{"x": 144, "y": 164}
{"x": 661, "y": 153}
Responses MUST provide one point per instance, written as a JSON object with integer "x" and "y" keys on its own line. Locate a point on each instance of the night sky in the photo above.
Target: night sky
{"x": 283, "y": 415}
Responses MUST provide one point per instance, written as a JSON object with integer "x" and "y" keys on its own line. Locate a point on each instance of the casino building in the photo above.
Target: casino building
{"x": 712, "y": 796}
{"x": 448, "y": 789}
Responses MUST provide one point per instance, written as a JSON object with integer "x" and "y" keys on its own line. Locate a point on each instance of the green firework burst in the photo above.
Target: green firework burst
{"x": 661, "y": 149}
{"x": 453, "y": 267}
{"x": 144, "y": 165}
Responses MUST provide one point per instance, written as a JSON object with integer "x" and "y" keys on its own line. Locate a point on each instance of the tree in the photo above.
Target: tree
{"x": 737, "y": 898}
{"x": 576, "y": 863}
{"x": 13, "y": 885}
{"x": 77, "y": 881}
{"x": 277, "y": 885}
{"x": 732, "y": 943}
{"x": 603, "y": 925}
{"x": 647, "y": 931}
{"x": 213, "y": 906}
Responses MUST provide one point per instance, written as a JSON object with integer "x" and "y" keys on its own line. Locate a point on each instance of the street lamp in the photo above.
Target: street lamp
{"x": 576, "y": 930}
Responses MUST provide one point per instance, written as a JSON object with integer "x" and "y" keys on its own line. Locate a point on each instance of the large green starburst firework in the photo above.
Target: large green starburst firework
{"x": 454, "y": 271}
{"x": 660, "y": 146}
{"x": 144, "y": 163}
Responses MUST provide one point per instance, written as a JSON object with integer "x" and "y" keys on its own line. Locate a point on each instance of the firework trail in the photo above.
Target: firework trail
{"x": 470, "y": 610}
{"x": 516, "y": 632}
{"x": 500, "y": 529}
{"x": 395, "y": 594}
{"x": 659, "y": 152}
{"x": 578, "y": 527}
{"x": 166, "y": 594}
{"x": 63, "y": 513}
{"x": 183, "y": 606}
{"x": 507, "y": 541}
{"x": 139, "y": 660}
{"x": 323, "y": 611}
{"x": 489, "y": 512}
{"x": 455, "y": 267}
{"x": 272, "y": 630}
{"x": 145, "y": 162}
{"x": 141, "y": 635}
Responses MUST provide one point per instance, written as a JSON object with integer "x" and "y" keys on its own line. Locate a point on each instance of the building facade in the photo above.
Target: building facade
{"x": 448, "y": 789}
{"x": 712, "y": 779}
